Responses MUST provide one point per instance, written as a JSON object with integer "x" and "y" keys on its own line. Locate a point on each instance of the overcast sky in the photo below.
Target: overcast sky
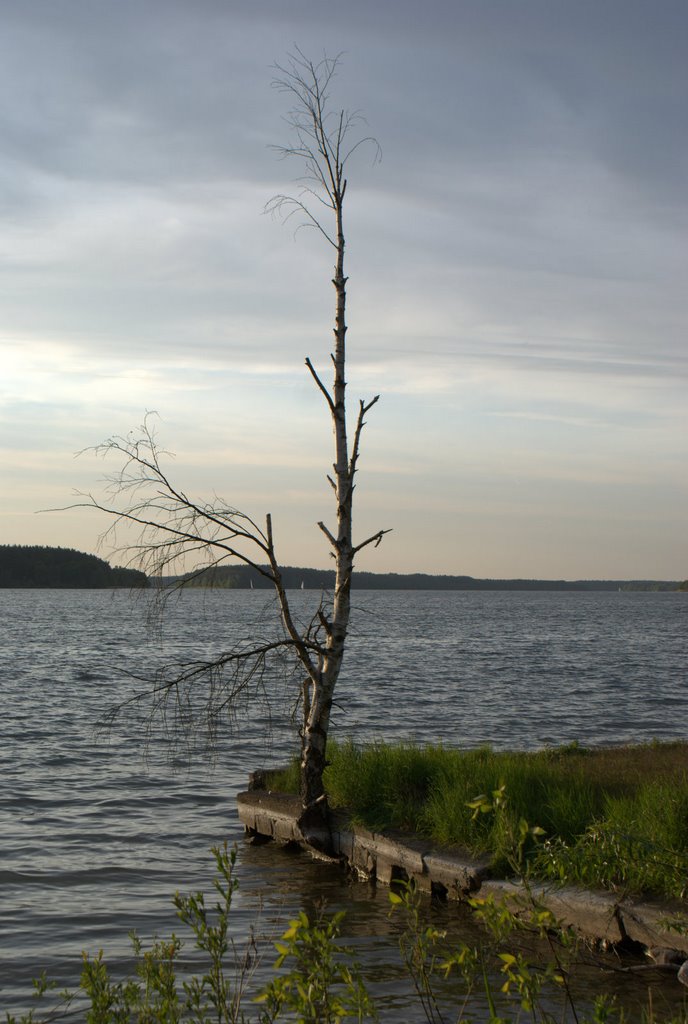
{"x": 517, "y": 273}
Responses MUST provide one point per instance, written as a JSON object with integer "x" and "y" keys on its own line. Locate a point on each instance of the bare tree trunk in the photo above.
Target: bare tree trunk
{"x": 317, "y": 708}
{"x": 174, "y": 526}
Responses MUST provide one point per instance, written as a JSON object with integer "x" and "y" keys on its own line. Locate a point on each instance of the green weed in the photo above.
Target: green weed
{"x": 616, "y": 817}
{"x": 316, "y": 980}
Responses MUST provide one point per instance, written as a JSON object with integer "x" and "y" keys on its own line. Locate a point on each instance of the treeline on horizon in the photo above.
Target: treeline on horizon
{"x": 61, "y": 568}
{"x": 26, "y": 566}
{"x": 244, "y": 577}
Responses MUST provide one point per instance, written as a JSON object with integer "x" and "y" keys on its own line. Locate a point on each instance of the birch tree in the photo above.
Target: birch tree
{"x": 173, "y": 525}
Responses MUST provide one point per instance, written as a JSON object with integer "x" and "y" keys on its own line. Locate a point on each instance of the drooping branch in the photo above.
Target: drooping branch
{"x": 193, "y": 698}
{"x": 287, "y": 206}
{"x": 172, "y": 525}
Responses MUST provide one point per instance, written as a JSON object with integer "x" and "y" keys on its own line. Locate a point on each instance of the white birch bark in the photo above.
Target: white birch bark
{"x": 174, "y": 526}
{"x": 323, "y": 143}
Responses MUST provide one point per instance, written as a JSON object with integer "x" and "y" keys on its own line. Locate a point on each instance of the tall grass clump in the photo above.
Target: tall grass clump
{"x": 429, "y": 789}
{"x": 639, "y": 844}
{"x": 614, "y": 817}
{"x": 538, "y": 791}
{"x": 287, "y": 779}
{"x": 382, "y": 785}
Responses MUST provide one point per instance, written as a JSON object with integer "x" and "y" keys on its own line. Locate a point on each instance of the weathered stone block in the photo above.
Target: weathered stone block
{"x": 247, "y": 817}
{"x": 384, "y": 870}
{"x": 362, "y": 857}
{"x": 423, "y": 883}
{"x": 390, "y": 855}
{"x": 343, "y": 842}
{"x": 593, "y": 914}
{"x": 457, "y": 873}
{"x": 285, "y": 830}
{"x": 502, "y": 889}
{"x": 648, "y": 923}
{"x": 270, "y": 814}
{"x": 405, "y": 855}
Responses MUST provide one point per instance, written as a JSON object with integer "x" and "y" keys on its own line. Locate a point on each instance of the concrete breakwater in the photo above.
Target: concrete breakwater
{"x": 389, "y": 856}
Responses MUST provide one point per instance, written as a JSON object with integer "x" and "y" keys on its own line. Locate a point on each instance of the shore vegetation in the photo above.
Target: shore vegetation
{"x": 35, "y": 566}
{"x": 615, "y": 817}
{"x": 524, "y": 969}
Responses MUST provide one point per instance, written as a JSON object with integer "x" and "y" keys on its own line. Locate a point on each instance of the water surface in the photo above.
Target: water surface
{"x": 100, "y": 828}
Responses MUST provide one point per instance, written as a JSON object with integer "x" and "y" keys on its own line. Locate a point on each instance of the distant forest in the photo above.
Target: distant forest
{"x": 242, "y": 577}
{"x": 64, "y": 568}
{"x": 61, "y": 568}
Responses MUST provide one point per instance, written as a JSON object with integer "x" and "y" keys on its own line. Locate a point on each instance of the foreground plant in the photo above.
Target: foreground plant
{"x": 324, "y": 983}
{"x": 528, "y": 983}
{"x": 157, "y": 994}
{"x": 317, "y": 981}
{"x": 425, "y": 954}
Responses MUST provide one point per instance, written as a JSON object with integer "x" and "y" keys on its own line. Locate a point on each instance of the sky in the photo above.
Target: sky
{"x": 516, "y": 261}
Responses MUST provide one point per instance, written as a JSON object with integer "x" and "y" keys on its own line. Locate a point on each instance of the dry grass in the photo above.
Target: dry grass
{"x": 625, "y": 767}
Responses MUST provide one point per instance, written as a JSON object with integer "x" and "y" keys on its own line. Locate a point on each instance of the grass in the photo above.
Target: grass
{"x": 614, "y": 817}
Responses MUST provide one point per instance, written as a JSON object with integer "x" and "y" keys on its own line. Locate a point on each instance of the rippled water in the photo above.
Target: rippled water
{"x": 98, "y": 830}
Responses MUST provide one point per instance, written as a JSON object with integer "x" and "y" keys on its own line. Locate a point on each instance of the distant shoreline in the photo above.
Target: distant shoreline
{"x": 46, "y": 568}
{"x": 37, "y": 567}
{"x": 245, "y": 578}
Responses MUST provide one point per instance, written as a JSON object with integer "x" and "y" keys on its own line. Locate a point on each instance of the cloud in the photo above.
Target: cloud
{"x": 516, "y": 262}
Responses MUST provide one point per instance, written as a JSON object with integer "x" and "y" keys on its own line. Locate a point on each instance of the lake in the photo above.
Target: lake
{"x": 100, "y": 828}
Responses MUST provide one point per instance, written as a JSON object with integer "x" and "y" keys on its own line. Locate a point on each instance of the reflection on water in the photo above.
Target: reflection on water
{"x": 98, "y": 830}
